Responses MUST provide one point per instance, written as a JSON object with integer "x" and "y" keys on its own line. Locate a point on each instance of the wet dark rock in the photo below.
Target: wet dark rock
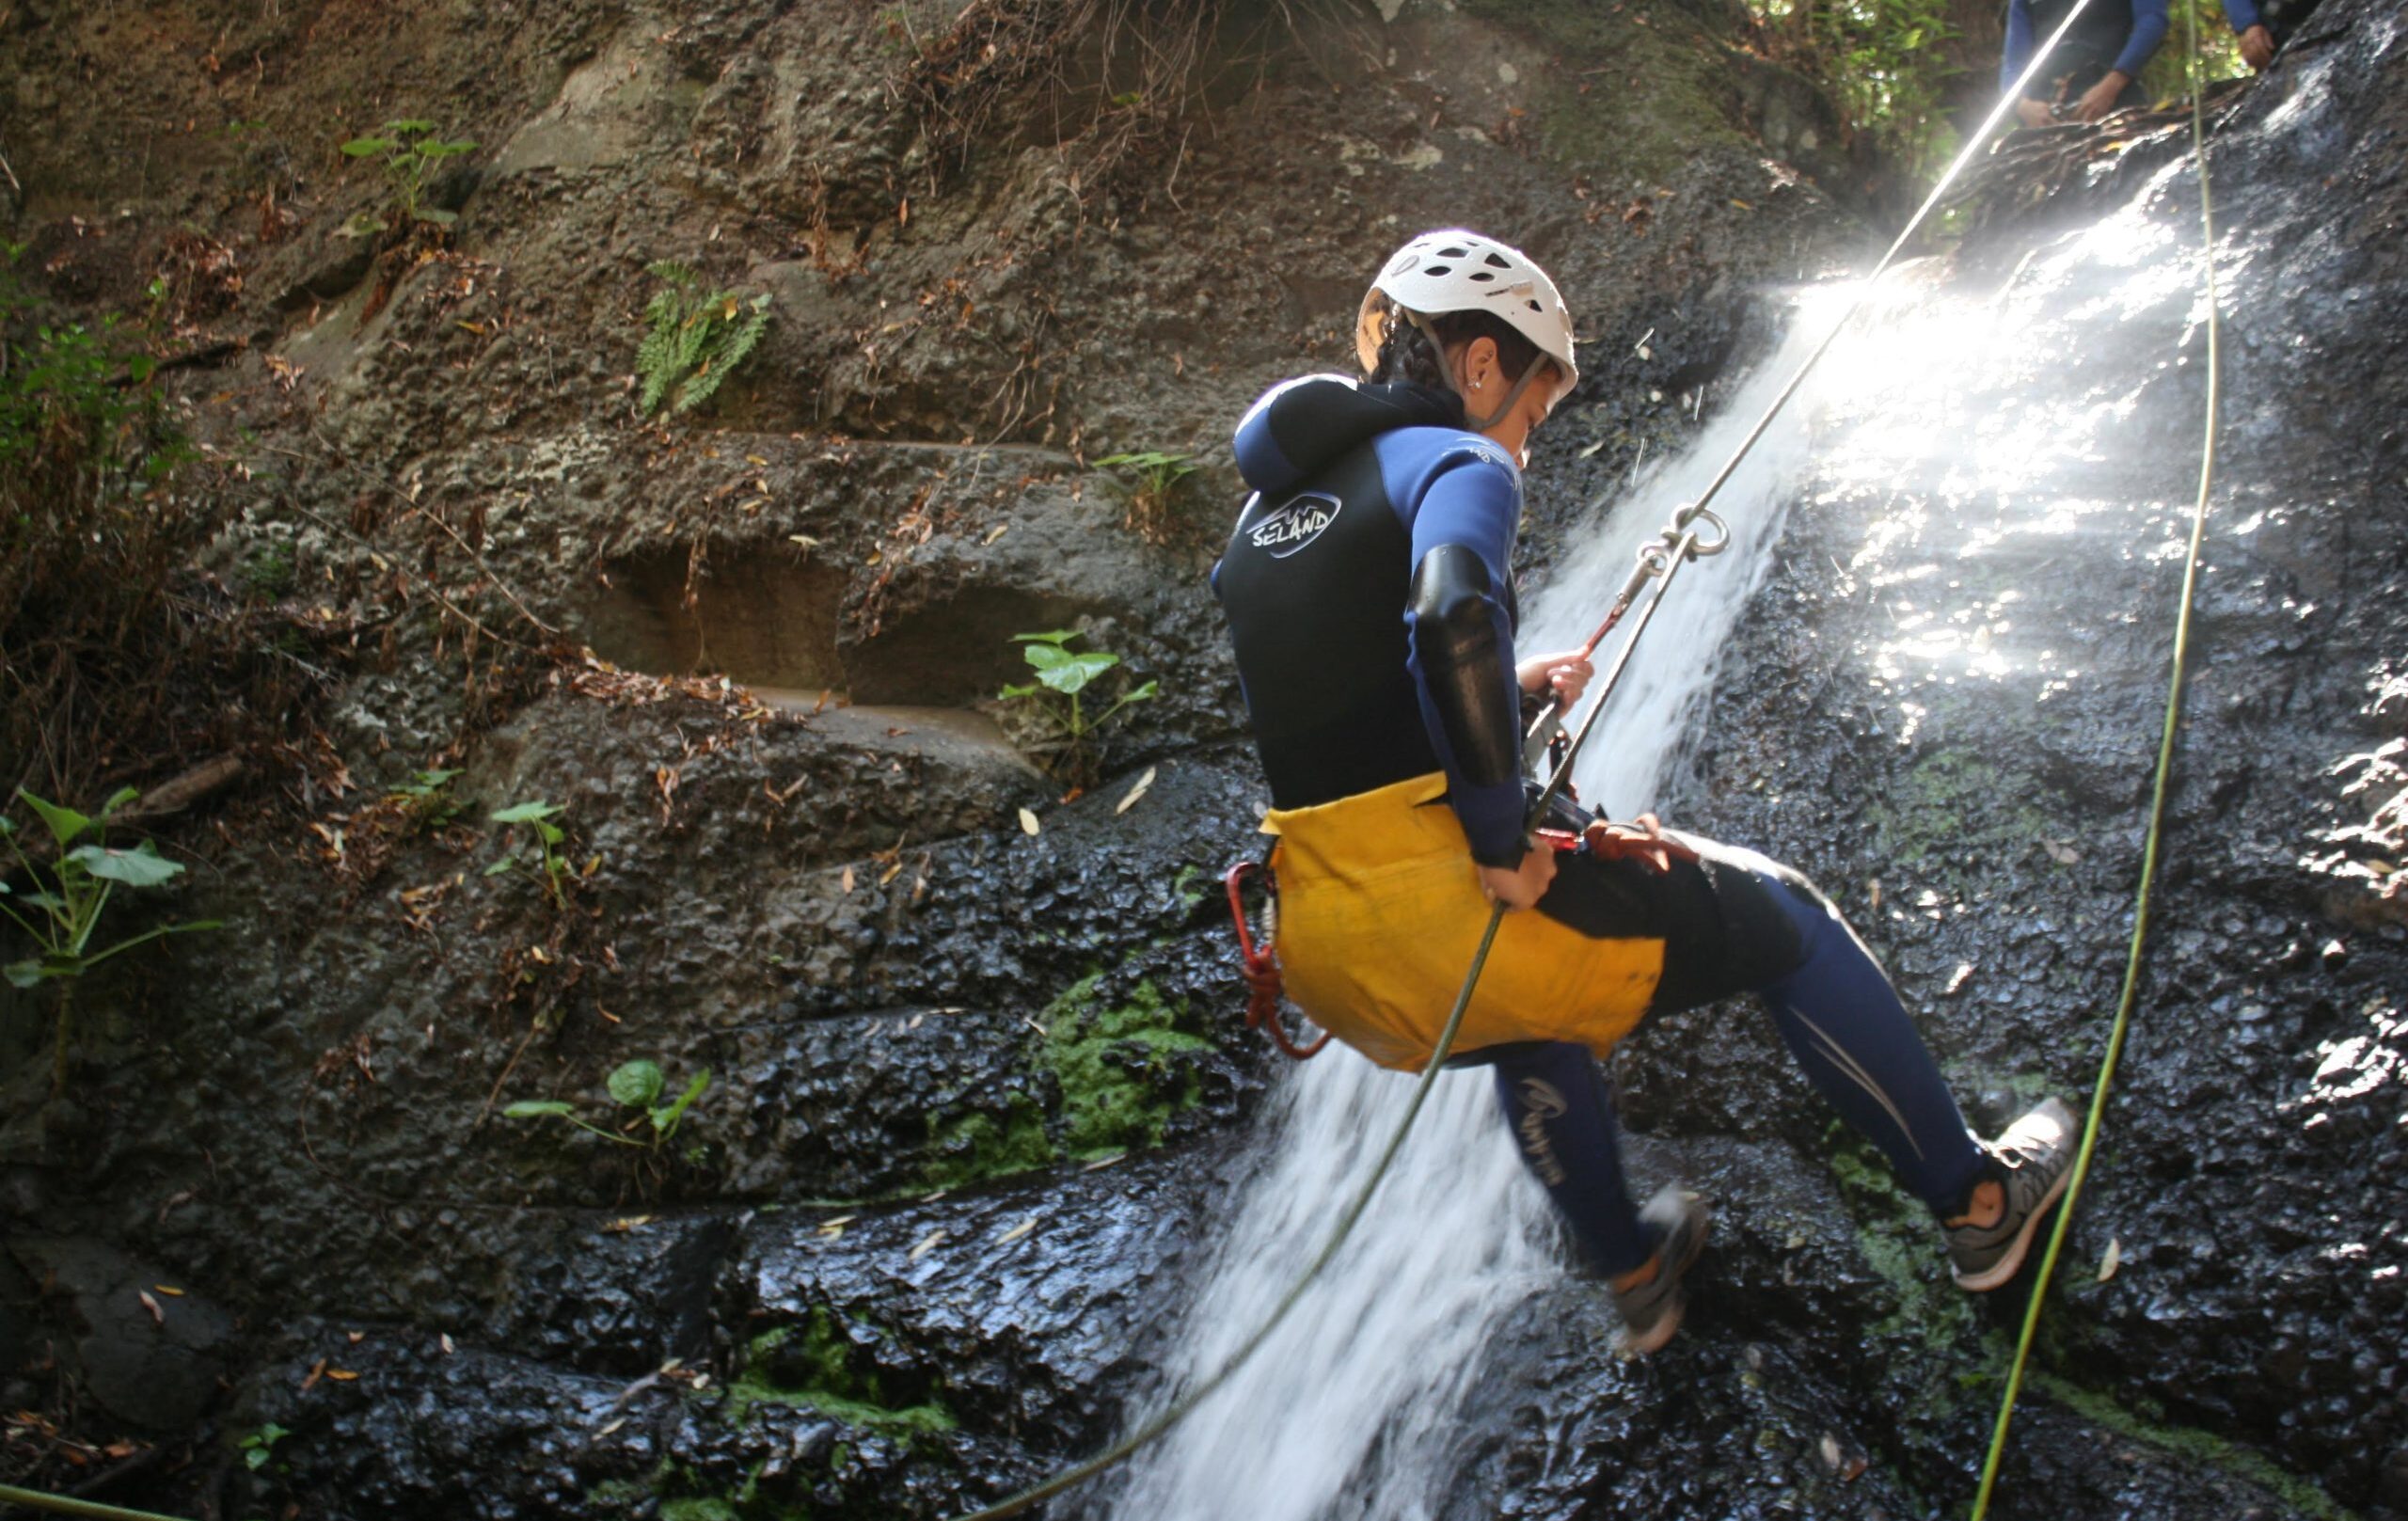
{"x": 149, "y": 1351}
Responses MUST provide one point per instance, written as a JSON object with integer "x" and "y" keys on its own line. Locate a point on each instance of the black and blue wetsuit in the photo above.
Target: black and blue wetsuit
{"x": 1357, "y": 676}
{"x": 2120, "y": 35}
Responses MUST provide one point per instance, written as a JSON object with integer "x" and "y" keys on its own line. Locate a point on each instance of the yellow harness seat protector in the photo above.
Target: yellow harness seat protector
{"x": 1380, "y": 911}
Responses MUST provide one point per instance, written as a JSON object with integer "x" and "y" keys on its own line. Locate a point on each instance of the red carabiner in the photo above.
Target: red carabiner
{"x": 1260, "y": 967}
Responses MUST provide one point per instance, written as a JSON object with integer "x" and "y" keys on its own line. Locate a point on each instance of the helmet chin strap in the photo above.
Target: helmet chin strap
{"x": 1477, "y": 424}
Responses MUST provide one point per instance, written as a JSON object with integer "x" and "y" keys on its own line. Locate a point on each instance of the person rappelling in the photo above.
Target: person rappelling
{"x": 1370, "y": 597}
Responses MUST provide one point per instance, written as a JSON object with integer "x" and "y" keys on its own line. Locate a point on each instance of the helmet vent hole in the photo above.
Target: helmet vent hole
{"x": 1454, "y": 253}
{"x": 1498, "y": 261}
{"x": 1535, "y": 306}
{"x": 1482, "y": 276}
{"x": 1437, "y": 271}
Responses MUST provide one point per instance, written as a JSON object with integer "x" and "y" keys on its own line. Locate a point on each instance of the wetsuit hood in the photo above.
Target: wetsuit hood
{"x": 1301, "y": 426}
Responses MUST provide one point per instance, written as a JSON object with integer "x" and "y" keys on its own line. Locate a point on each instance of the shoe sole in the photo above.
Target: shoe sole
{"x": 2007, "y": 1267}
{"x": 1669, "y": 1322}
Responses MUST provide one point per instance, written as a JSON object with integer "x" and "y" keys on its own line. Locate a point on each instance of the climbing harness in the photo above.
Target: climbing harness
{"x": 1660, "y": 561}
{"x": 1258, "y": 960}
{"x": 2129, "y": 994}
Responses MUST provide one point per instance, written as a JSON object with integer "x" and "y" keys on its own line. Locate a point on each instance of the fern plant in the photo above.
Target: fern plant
{"x": 696, "y": 340}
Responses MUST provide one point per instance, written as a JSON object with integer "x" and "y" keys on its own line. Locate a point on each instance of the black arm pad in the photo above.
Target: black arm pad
{"x": 1454, "y": 636}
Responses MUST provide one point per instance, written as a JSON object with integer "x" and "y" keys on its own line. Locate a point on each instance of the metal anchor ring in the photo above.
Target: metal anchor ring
{"x": 1700, "y": 548}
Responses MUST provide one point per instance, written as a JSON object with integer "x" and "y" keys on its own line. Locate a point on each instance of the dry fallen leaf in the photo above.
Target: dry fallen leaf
{"x": 444, "y": 1341}
{"x": 317, "y": 1372}
{"x": 1027, "y": 822}
{"x": 172, "y": 1293}
{"x": 1129, "y": 799}
{"x": 633, "y": 1222}
{"x": 935, "y": 1239}
{"x": 1830, "y": 1445}
{"x": 1019, "y": 1230}
{"x": 848, "y": 880}
{"x": 1102, "y": 1162}
{"x": 158, "y": 1316}
{"x": 2112, "y": 1260}
{"x": 356, "y": 1337}
{"x": 890, "y": 874}
{"x": 996, "y": 532}
{"x": 834, "y": 1229}
{"x": 2061, "y": 852}
{"x": 342, "y": 1376}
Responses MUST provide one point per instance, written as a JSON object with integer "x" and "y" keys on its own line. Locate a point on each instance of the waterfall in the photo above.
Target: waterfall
{"x": 1349, "y": 1410}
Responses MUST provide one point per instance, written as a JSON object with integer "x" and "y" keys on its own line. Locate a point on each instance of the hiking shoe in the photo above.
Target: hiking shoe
{"x": 2033, "y": 1161}
{"x": 1652, "y": 1311}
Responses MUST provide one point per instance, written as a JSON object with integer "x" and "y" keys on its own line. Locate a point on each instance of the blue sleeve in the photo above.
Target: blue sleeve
{"x": 1474, "y": 501}
{"x": 2017, "y": 51}
{"x": 2149, "y": 21}
{"x": 2242, "y": 14}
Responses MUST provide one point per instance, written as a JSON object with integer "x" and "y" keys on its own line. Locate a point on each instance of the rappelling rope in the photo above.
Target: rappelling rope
{"x": 1660, "y": 559}
{"x": 68, "y": 1505}
{"x": 2156, "y": 808}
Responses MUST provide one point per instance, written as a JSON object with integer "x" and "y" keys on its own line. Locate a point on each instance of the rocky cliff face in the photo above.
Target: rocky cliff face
{"x": 977, "y": 1082}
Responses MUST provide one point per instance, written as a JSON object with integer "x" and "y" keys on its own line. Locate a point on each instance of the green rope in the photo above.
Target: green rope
{"x": 2156, "y": 813}
{"x": 67, "y": 1505}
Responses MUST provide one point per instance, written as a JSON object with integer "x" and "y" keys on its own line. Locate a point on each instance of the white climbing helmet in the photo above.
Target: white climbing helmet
{"x": 1456, "y": 270}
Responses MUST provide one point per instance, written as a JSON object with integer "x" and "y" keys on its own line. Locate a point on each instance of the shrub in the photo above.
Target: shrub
{"x": 1055, "y": 703}
{"x": 409, "y": 151}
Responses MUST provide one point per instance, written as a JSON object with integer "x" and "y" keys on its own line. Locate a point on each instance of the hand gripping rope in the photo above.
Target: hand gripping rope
{"x": 1660, "y": 561}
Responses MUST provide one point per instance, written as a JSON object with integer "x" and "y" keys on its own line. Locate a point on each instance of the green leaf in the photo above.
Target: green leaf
{"x": 1076, "y": 671}
{"x": 116, "y": 800}
{"x": 142, "y": 866}
{"x": 438, "y": 217}
{"x": 362, "y": 146}
{"x": 531, "y": 1108}
{"x": 1144, "y": 692}
{"x": 366, "y": 224}
{"x": 664, "y": 1120}
{"x": 1023, "y": 688}
{"x": 22, "y": 974}
{"x": 65, "y": 823}
{"x": 1046, "y": 657}
{"x": 526, "y": 813}
{"x": 1056, "y": 637}
{"x": 637, "y": 1084}
{"x": 409, "y": 126}
{"x": 501, "y": 866}
{"x": 139, "y": 369}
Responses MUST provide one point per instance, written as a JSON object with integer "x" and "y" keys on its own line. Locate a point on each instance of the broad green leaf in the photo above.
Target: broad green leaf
{"x": 22, "y": 974}
{"x": 409, "y": 126}
{"x": 116, "y": 800}
{"x": 502, "y": 866}
{"x": 65, "y": 823}
{"x": 1142, "y": 693}
{"x": 142, "y": 866}
{"x": 362, "y": 146}
{"x": 47, "y": 900}
{"x": 530, "y": 1108}
{"x": 637, "y": 1084}
{"x": 1057, "y": 637}
{"x": 139, "y": 369}
{"x": 525, "y": 813}
{"x": 1045, "y": 656}
{"x": 553, "y": 834}
{"x": 1024, "y": 688}
{"x": 665, "y": 1119}
{"x": 1076, "y": 671}
{"x": 8, "y": 825}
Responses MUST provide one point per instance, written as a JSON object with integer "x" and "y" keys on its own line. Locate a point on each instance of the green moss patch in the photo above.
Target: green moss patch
{"x": 2192, "y": 1445}
{"x": 1120, "y": 1069}
{"x": 1122, "y": 1073}
{"x": 811, "y": 1366}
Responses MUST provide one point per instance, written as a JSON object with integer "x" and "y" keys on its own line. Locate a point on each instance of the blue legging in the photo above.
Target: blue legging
{"x": 1834, "y": 1008}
